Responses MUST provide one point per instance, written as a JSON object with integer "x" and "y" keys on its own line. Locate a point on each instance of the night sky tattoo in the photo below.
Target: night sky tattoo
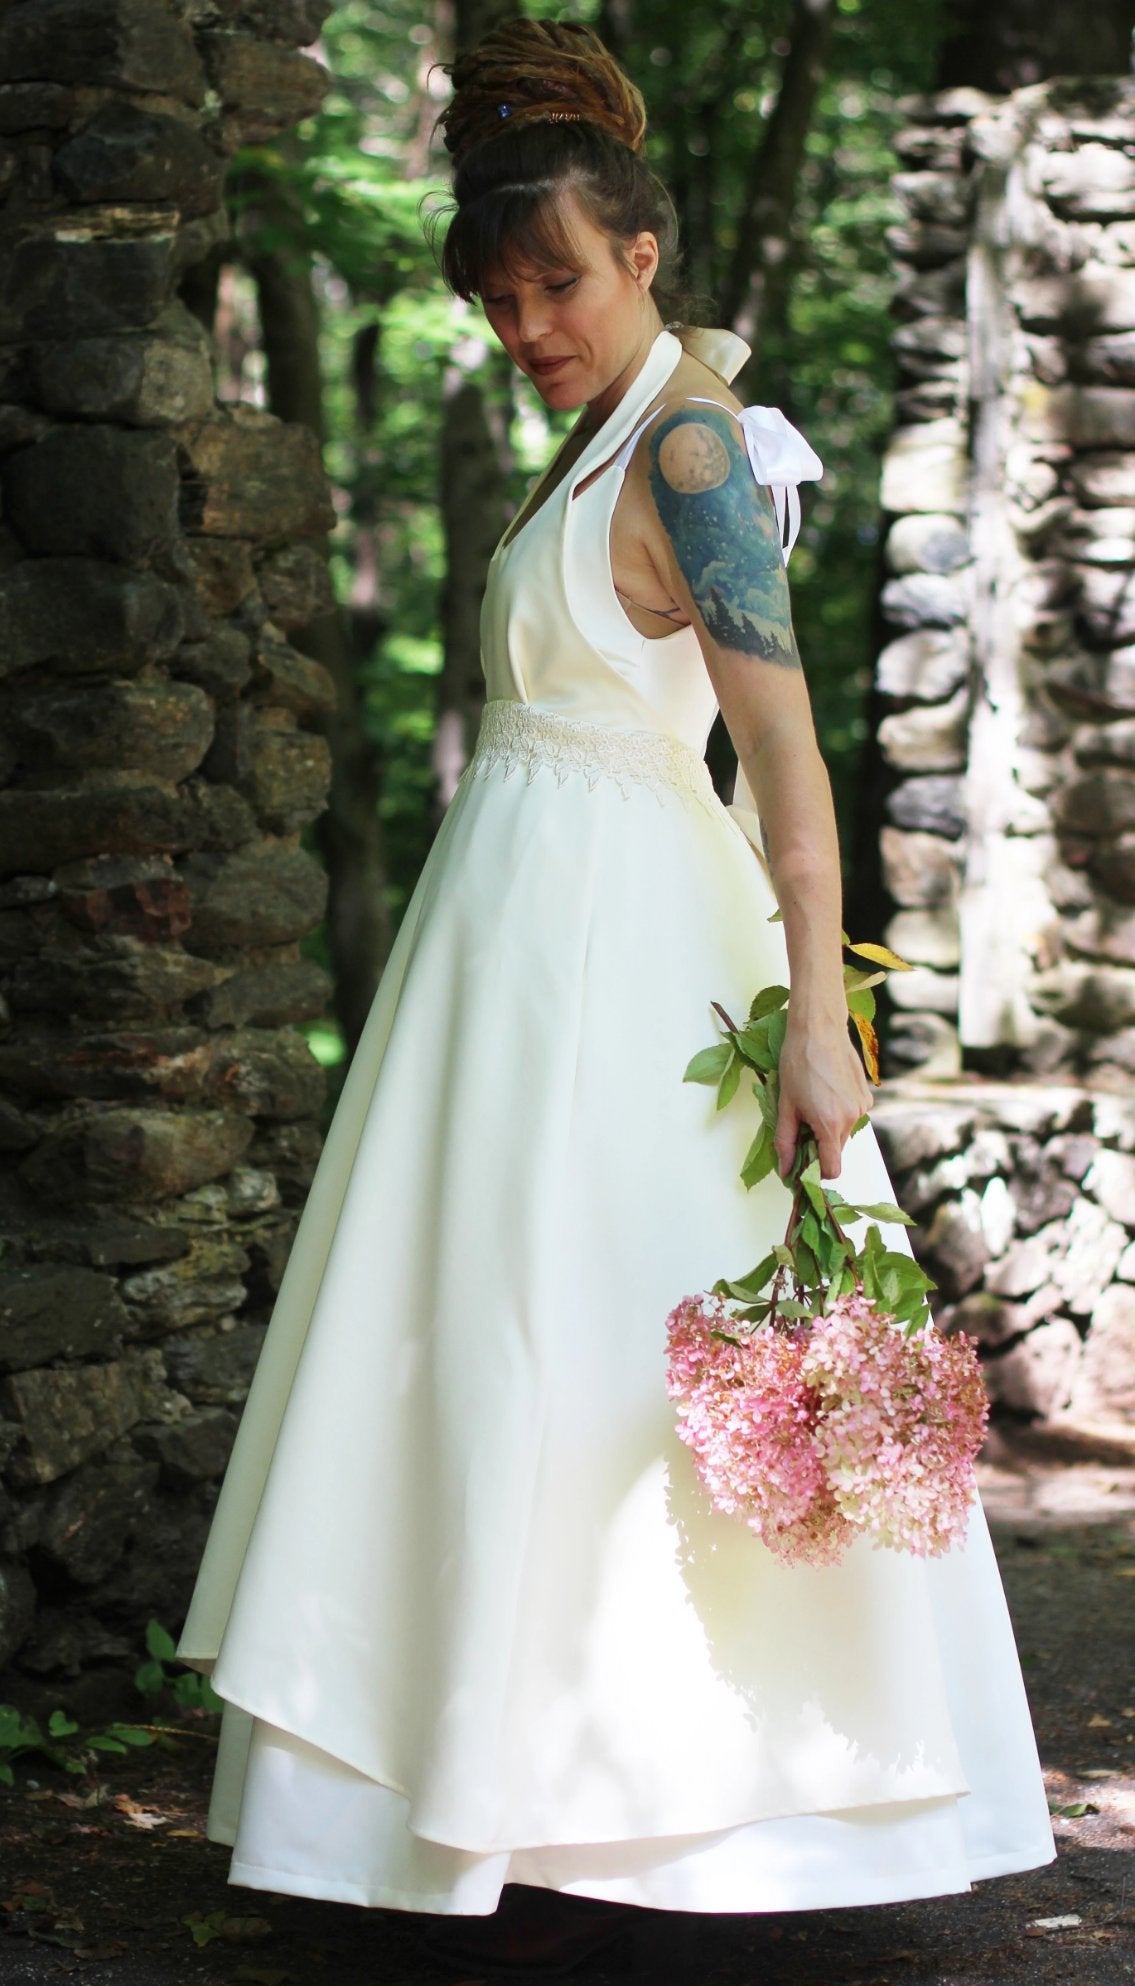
{"x": 724, "y": 532}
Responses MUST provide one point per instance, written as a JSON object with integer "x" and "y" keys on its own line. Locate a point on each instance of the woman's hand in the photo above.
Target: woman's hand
{"x": 823, "y": 1087}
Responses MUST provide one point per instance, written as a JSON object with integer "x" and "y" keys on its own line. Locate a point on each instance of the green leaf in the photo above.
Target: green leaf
{"x": 751, "y": 1284}
{"x": 752, "y": 1043}
{"x": 862, "y": 1002}
{"x": 810, "y": 1181}
{"x": 860, "y": 1123}
{"x": 731, "y": 1076}
{"x": 788, "y": 1307}
{"x": 807, "y": 1267}
{"x": 708, "y": 1066}
{"x": 7, "y": 1776}
{"x": 100, "y": 1743}
{"x": 881, "y": 1210}
{"x": 59, "y": 1725}
{"x": 130, "y": 1734}
{"x": 760, "y": 1159}
{"x": 767, "y": 1001}
{"x": 830, "y": 1250}
{"x": 856, "y": 981}
{"x": 841, "y": 1284}
{"x": 159, "y": 1642}
{"x": 777, "y": 1029}
{"x": 149, "y": 1678}
{"x": 783, "y": 1255}
{"x": 756, "y": 1313}
{"x": 769, "y": 1099}
{"x": 776, "y": 918}
{"x": 16, "y": 1730}
{"x": 810, "y": 1232}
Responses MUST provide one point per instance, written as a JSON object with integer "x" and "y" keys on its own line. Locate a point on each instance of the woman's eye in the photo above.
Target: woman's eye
{"x": 569, "y": 283}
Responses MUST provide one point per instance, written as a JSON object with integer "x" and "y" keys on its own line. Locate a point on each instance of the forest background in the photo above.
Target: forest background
{"x": 771, "y": 121}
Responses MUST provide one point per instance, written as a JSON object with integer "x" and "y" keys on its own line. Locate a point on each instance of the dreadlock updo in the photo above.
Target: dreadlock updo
{"x": 540, "y": 108}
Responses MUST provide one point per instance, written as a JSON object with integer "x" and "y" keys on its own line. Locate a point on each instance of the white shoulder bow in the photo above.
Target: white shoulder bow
{"x": 780, "y": 459}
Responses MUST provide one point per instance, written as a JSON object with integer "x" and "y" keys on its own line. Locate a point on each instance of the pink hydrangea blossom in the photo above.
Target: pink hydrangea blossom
{"x": 900, "y": 1420}
{"x": 749, "y": 1418}
{"x": 817, "y": 1433}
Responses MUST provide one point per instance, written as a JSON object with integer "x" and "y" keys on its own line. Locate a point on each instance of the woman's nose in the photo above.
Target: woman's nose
{"x": 532, "y": 319}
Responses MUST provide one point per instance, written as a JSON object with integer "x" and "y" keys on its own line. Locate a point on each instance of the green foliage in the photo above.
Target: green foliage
{"x": 188, "y": 1689}
{"x": 63, "y": 1744}
{"x": 818, "y": 1261}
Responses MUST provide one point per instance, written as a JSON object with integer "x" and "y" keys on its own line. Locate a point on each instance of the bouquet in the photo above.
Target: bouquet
{"x": 816, "y": 1394}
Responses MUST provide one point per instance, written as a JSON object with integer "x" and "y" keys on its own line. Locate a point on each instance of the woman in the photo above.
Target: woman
{"x": 473, "y": 1622}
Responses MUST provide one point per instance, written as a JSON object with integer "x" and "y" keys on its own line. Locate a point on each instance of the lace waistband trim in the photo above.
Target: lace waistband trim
{"x": 523, "y": 739}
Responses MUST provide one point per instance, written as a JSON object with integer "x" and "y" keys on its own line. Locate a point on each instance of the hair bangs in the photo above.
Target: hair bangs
{"x": 514, "y": 231}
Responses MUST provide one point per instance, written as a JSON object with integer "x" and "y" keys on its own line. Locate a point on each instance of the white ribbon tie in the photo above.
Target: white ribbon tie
{"x": 780, "y": 458}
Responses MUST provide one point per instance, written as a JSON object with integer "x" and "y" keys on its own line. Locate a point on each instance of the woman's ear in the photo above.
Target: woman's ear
{"x": 643, "y": 258}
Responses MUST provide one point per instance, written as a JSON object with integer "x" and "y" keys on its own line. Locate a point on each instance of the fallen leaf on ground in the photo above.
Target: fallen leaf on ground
{"x": 137, "y": 1816}
{"x": 245, "y": 1930}
{"x": 1055, "y": 1923}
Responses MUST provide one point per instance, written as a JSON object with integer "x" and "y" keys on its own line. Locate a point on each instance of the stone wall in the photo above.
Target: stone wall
{"x": 1009, "y": 688}
{"x": 161, "y": 753}
{"x": 1008, "y": 733}
{"x": 1024, "y": 1194}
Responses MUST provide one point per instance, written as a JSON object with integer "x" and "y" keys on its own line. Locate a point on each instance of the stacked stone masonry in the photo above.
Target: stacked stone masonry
{"x": 1008, "y": 734}
{"x": 1024, "y": 1195}
{"x": 1009, "y": 488}
{"x": 161, "y": 753}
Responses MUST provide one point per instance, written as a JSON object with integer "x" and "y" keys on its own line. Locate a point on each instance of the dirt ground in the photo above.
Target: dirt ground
{"x": 109, "y": 1878}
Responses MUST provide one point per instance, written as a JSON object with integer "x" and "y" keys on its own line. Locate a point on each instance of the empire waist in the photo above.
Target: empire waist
{"x": 521, "y": 736}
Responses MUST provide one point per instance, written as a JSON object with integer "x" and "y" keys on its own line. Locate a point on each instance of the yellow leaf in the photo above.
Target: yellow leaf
{"x": 869, "y": 1042}
{"x": 882, "y": 955}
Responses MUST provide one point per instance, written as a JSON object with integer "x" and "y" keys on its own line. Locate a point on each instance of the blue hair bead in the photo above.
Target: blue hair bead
{"x": 503, "y": 110}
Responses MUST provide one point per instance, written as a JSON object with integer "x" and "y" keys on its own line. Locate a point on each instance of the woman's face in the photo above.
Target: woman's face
{"x": 579, "y": 332}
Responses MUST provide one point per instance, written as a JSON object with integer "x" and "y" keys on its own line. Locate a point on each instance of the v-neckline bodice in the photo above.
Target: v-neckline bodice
{"x": 721, "y": 350}
{"x": 656, "y": 368}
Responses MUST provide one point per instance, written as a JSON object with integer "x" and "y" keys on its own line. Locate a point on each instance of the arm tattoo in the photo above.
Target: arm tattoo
{"x": 723, "y": 530}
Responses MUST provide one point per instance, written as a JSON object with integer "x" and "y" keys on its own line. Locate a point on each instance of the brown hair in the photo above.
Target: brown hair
{"x": 540, "y": 107}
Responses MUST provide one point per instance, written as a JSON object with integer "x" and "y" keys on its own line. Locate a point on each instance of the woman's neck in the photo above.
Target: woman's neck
{"x": 600, "y": 409}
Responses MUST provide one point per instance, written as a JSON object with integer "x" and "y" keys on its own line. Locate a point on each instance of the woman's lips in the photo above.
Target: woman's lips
{"x": 546, "y": 367}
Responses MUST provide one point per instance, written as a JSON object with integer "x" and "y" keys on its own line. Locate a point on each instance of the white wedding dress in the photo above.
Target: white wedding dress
{"x": 470, "y": 1615}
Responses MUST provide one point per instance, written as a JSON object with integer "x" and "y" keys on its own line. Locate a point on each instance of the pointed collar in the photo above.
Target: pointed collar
{"x": 722, "y": 351}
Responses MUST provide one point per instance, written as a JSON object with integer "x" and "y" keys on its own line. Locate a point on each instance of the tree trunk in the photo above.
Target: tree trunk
{"x": 473, "y": 507}
{"x": 756, "y": 293}
{"x": 350, "y": 832}
{"x": 1002, "y": 45}
{"x": 473, "y": 516}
